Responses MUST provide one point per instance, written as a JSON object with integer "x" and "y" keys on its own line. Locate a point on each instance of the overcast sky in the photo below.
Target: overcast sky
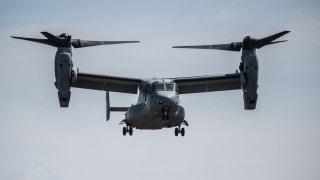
{"x": 278, "y": 140}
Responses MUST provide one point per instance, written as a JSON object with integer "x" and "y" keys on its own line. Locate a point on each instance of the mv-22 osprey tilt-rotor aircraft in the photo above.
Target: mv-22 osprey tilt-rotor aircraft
{"x": 158, "y": 102}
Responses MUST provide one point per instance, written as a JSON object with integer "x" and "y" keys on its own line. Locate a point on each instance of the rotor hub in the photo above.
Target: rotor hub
{"x": 249, "y": 43}
{"x": 64, "y": 35}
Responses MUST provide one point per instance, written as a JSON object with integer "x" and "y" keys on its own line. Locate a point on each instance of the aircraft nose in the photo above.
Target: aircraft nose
{"x": 166, "y": 101}
{"x": 167, "y": 98}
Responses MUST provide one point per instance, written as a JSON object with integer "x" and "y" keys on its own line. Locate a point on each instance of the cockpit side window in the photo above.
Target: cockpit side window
{"x": 169, "y": 87}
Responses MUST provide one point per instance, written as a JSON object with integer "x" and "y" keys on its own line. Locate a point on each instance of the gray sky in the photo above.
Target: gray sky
{"x": 278, "y": 140}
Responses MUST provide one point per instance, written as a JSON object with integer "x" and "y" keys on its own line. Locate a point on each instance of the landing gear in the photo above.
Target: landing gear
{"x": 176, "y": 131}
{"x": 130, "y": 131}
{"x": 124, "y": 131}
{"x": 127, "y": 129}
{"x": 179, "y": 130}
{"x": 182, "y": 131}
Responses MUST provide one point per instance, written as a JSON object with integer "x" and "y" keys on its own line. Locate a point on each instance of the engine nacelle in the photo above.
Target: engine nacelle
{"x": 249, "y": 69}
{"x": 63, "y": 74}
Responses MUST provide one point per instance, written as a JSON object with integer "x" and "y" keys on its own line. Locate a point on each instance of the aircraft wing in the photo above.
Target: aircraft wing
{"x": 198, "y": 84}
{"x": 107, "y": 83}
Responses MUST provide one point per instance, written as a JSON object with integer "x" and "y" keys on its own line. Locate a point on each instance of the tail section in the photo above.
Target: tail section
{"x": 114, "y": 109}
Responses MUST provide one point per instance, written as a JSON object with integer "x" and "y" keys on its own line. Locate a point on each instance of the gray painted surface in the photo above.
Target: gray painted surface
{"x": 278, "y": 140}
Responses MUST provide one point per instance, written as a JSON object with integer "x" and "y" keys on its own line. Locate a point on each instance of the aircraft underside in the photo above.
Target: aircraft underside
{"x": 153, "y": 120}
{"x": 155, "y": 123}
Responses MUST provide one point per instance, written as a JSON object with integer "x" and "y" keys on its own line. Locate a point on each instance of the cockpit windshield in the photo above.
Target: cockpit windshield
{"x": 158, "y": 87}
{"x": 163, "y": 87}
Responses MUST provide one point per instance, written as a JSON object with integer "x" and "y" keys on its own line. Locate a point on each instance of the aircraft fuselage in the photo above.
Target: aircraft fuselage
{"x": 157, "y": 106}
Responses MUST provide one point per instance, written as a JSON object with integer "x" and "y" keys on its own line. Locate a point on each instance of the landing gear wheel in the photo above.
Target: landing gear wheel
{"x": 130, "y": 131}
{"x": 176, "y": 131}
{"x": 182, "y": 131}
{"x": 124, "y": 131}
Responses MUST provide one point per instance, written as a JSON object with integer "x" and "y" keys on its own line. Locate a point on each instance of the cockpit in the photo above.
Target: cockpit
{"x": 166, "y": 86}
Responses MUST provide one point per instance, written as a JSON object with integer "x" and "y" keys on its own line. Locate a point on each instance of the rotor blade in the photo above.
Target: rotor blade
{"x": 43, "y": 41}
{"x": 77, "y": 43}
{"x": 268, "y": 40}
{"x": 51, "y": 36}
{"x": 235, "y": 46}
{"x": 57, "y": 40}
{"x": 274, "y": 42}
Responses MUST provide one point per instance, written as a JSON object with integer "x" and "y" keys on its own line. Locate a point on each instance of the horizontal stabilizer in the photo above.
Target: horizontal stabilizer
{"x": 119, "y": 109}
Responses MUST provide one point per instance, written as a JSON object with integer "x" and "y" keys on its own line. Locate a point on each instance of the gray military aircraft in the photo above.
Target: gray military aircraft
{"x": 158, "y": 102}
